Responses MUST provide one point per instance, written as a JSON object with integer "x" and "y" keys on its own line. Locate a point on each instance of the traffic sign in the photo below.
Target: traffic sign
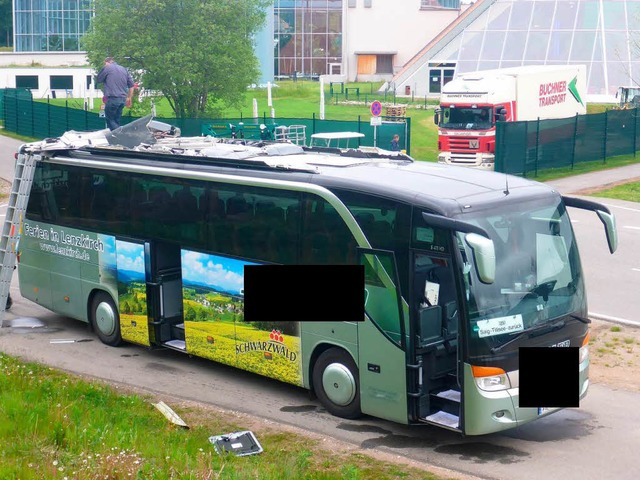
{"x": 376, "y": 108}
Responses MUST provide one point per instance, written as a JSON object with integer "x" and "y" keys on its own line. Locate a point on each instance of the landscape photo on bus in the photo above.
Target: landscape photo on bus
{"x": 145, "y": 235}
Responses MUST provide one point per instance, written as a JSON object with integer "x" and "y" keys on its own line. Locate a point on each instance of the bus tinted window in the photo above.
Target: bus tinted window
{"x": 327, "y": 239}
{"x": 384, "y": 222}
{"x": 235, "y": 220}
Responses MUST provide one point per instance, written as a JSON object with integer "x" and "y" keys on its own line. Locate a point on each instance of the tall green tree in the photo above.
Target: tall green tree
{"x": 198, "y": 53}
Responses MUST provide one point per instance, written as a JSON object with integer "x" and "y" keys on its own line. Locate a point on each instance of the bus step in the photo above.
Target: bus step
{"x": 451, "y": 395}
{"x": 180, "y": 326}
{"x": 445, "y": 419}
{"x": 176, "y": 344}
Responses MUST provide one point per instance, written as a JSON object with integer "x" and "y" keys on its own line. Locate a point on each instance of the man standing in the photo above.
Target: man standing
{"x": 118, "y": 90}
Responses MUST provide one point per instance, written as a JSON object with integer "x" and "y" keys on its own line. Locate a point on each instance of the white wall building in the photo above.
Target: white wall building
{"x": 49, "y": 74}
{"x": 381, "y": 36}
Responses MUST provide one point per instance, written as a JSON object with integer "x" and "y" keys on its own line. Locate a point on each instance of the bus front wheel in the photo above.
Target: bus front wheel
{"x": 105, "y": 319}
{"x": 336, "y": 383}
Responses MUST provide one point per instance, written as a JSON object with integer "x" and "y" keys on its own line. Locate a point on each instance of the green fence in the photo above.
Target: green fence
{"x": 23, "y": 116}
{"x": 524, "y": 148}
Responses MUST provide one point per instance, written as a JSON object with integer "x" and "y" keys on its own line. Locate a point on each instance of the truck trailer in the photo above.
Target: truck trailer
{"x": 472, "y": 103}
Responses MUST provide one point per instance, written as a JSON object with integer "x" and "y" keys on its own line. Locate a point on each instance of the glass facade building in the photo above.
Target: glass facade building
{"x": 307, "y": 36}
{"x": 50, "y": 25}
{"x": 602, "y": 34}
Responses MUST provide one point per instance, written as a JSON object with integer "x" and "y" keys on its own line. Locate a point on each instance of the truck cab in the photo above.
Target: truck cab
{"x": 466, "y": 133}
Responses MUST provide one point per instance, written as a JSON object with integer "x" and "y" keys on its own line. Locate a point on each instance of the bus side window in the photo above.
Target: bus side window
{"x": 326, "y": 239}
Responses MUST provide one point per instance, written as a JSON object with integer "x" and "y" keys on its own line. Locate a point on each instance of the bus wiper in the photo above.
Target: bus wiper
{"x": 531, "y": 332}
{"x": 583, "y": 320}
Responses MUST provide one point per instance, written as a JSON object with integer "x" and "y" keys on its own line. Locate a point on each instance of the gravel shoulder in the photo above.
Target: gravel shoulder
{"x": 5, "y": 189}
{"x": 614, "y": 351}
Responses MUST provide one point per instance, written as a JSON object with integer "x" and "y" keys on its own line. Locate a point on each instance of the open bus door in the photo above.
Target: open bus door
{"x": 382, "y": 340}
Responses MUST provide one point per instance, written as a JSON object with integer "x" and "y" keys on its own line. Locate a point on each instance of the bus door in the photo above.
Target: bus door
{"x": 164, "y": 294}
{"x": 434, "y": 346}
{"x": 131, "y": 260}
{"x": 382, "y": 340}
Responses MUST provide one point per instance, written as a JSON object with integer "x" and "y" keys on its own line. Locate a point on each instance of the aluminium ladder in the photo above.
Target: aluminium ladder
{"x": 16, "y": 207}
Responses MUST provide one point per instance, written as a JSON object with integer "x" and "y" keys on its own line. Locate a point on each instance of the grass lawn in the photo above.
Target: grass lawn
{"x": 57, "y": 426}
{"x": 301, "y": 99}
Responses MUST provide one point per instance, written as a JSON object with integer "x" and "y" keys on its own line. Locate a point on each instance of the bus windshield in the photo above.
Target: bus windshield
{"x": 538, "y": 277}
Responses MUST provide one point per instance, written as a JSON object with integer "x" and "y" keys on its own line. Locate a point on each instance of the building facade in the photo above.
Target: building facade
{"x": 50, "y": 25}
{"x": 601, "y": 34}
{"x": 365, "y": 40}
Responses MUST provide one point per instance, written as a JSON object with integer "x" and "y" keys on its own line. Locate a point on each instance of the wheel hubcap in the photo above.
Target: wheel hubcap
{"x": 339, "y": 384}
{"x": 105, "y": 318}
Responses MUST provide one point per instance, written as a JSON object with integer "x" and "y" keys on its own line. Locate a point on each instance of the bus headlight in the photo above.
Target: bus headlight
{"x": 490, "y": 379}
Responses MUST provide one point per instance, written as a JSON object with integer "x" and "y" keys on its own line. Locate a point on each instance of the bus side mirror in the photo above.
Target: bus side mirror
{"x": 436, "y": 117}
{"x": 606, "y": 217}
{"x": 610, "y": 229}
{"x": 484, "y": 256}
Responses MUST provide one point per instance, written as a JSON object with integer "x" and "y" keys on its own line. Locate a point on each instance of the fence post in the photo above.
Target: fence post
{"x": 313, "y": 123}
{"x": 635, "y": 131}
{"x": 526, "y": 146}
{"x": 606, "y": 122}
{"x": 537, "y": 144}
{"x": 33, "y": 124}
{"x": 48, "y": 116}
{"x": 15, "y": 97}
{"x": 575, "y": 135}
{"x": 407, "y": 134}
{"x": 66, "y": 115}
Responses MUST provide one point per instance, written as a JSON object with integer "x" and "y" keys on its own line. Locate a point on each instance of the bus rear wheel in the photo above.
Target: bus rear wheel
{"x": 105, "y": 319}
{"x": 336, "y": 383}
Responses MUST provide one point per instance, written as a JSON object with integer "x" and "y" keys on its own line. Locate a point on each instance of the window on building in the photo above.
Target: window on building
{"x": 439, "y": 75}
{"x": 61, "y": 82}
{"x": 27, "y": 81}
{"x": 430, "y": 4}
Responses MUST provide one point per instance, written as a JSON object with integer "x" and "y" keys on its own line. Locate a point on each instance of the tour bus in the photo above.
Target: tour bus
{"x": 146, "y": 237}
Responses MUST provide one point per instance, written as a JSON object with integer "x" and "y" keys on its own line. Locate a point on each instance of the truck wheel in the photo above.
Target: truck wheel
{"x": 105, "y": 319}
{"x": 336, "y": 383}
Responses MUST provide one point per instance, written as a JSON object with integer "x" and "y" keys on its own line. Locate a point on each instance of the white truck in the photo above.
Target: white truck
{"x": 471, "y": 103}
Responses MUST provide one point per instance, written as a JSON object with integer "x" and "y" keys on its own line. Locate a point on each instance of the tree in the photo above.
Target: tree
{"x": 198, "y": 53}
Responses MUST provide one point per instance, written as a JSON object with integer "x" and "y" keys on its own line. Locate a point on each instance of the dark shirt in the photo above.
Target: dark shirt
{"x": 116, "y": 79}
